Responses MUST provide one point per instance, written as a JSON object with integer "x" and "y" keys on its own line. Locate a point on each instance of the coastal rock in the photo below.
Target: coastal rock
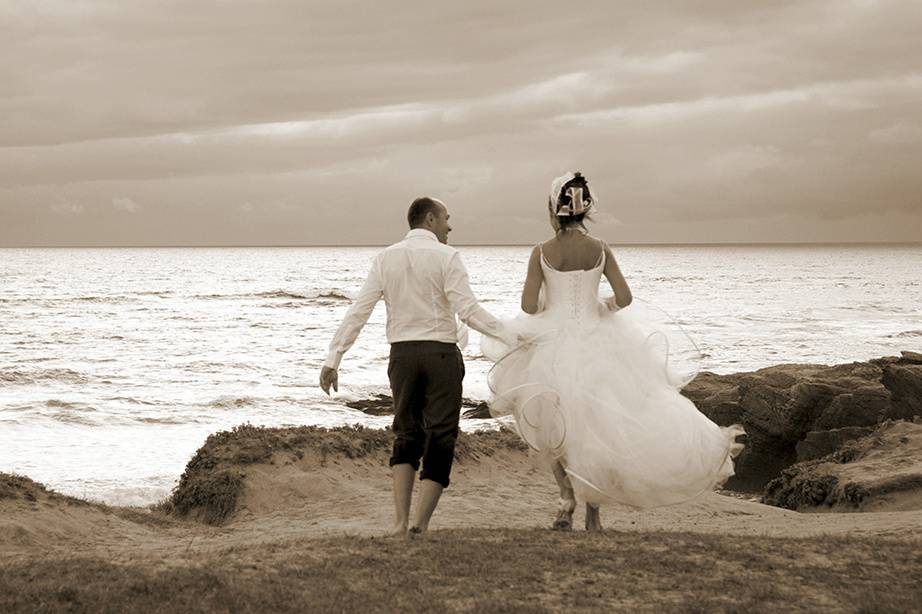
{"x": 780, "y": 406}
{"x": 905, "y": 383}
{"x": 383, "y": 405}
{"x": 881, "y": 471}
{"x": 863, "y": 406}
{"x": 817, "y": 444}
{"x": 380, "y": 405}
{"x": 478, "y": 409}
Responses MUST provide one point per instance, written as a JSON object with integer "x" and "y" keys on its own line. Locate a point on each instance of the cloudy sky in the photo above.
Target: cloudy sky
{"x": 317, "y": 122}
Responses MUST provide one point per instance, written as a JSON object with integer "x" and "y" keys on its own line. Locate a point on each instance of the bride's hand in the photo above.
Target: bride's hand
{"x": 611, "y": 304}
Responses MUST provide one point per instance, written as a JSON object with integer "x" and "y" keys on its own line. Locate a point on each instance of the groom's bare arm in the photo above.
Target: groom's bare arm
{"x": 533, "y": 281}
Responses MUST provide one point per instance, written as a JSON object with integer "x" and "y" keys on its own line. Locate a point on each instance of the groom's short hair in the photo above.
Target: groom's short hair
{"x": 420, "y": 208}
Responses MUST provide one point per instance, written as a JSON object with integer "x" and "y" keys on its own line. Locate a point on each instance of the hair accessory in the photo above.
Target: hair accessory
{"x": 570, "y": 195}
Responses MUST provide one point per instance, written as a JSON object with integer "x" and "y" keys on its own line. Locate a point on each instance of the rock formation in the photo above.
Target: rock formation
{"x": 794, "y": 412}
{"x": 879, "y": 472}
{"x": 382, "y": 405}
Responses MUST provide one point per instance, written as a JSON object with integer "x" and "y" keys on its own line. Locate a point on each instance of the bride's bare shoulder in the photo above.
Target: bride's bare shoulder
{"x": 601, "y": 242}
{"x": 550, "y": 245}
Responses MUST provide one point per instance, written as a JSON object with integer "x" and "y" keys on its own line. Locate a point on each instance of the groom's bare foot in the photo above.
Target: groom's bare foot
{"x": 593, "y": 521}
{"x": 400, "y": 529}
{"x": 415, "y": 532}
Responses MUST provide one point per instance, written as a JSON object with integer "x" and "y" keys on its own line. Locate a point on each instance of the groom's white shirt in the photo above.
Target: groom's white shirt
{"x": 424, "y": 284}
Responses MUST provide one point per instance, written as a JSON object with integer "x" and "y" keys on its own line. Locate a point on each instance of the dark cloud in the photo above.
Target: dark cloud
{"x": 302, "y": 122}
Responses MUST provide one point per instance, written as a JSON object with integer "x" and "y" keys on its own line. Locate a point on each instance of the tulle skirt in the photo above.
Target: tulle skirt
{"x": 603, "y": 399}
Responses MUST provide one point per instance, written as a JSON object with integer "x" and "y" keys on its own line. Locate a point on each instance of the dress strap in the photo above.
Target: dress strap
{"x": 601, "y": 255}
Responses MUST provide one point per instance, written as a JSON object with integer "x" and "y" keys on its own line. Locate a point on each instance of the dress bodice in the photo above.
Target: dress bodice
{"x": 572, "y": 295}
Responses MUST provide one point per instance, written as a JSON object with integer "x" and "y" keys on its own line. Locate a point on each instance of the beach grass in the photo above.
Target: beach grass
{"x": 478, "y": 570}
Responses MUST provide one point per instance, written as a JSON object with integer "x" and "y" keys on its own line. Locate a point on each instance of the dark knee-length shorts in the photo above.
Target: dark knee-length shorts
{"x": 426, "y": 381}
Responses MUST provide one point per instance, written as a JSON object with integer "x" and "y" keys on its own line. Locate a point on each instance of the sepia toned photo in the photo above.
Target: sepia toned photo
{"x": 316, "y": 306}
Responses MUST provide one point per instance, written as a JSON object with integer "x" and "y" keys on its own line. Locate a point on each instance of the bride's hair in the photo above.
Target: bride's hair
{"x": 563, "y": 208}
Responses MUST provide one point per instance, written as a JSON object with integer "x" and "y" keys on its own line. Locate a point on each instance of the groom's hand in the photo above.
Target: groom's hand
{"x": 329, "y": 377}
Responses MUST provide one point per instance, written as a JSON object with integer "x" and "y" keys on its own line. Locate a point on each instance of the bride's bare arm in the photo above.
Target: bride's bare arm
{"x": 533, "y": 282}
{"x": 623, "y": 296}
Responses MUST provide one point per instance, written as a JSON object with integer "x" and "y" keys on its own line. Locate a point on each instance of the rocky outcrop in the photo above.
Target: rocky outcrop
{"x": 904, "y": 381}
{"x": 879, "y": 472}
{"x": 380, "y": 405}
{"x": 794, "y": 412}
{"x": 383, "y": 404}
{"x": 818, "y": 444}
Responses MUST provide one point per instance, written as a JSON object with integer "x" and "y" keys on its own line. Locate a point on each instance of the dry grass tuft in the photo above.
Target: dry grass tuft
{"x": 14, "y": 486}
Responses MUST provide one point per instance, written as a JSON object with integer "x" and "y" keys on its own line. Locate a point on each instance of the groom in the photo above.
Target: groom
{"x": 424, "y": 285}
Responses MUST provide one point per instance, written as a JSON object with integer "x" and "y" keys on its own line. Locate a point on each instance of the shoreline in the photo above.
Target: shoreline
{"x": 797, "y": 417}
{"x": 825, "y": 405}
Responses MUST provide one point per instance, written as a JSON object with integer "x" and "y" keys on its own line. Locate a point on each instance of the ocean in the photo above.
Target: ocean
{"x": 116, "y": 364}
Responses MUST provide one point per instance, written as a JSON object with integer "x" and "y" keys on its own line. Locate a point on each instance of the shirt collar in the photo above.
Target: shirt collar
{"x": 421, "y": 232}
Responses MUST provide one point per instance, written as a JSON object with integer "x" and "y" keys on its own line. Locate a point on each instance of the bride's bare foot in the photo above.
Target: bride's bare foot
{"x": 564, "y": 519}
{"x": 415, "y": 532}
{"x": 400, "y": 529}
{"x": 593, "y": 522}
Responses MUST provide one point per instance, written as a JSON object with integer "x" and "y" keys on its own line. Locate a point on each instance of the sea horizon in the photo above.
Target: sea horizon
{"x": 350, "y": 245}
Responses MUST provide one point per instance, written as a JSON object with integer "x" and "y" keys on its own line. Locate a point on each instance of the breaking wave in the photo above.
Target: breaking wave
{"x": 19, "y": 376}
{"x": 337, "y": 295}
{"x": 905, "y": 333}
{"x": 232, "y": 402}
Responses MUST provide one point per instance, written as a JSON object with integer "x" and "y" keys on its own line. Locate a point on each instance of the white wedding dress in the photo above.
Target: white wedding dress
{"x": 596, "y": 390}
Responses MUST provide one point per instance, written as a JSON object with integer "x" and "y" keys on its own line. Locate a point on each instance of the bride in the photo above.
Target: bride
{"x": 594, "y": 391}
